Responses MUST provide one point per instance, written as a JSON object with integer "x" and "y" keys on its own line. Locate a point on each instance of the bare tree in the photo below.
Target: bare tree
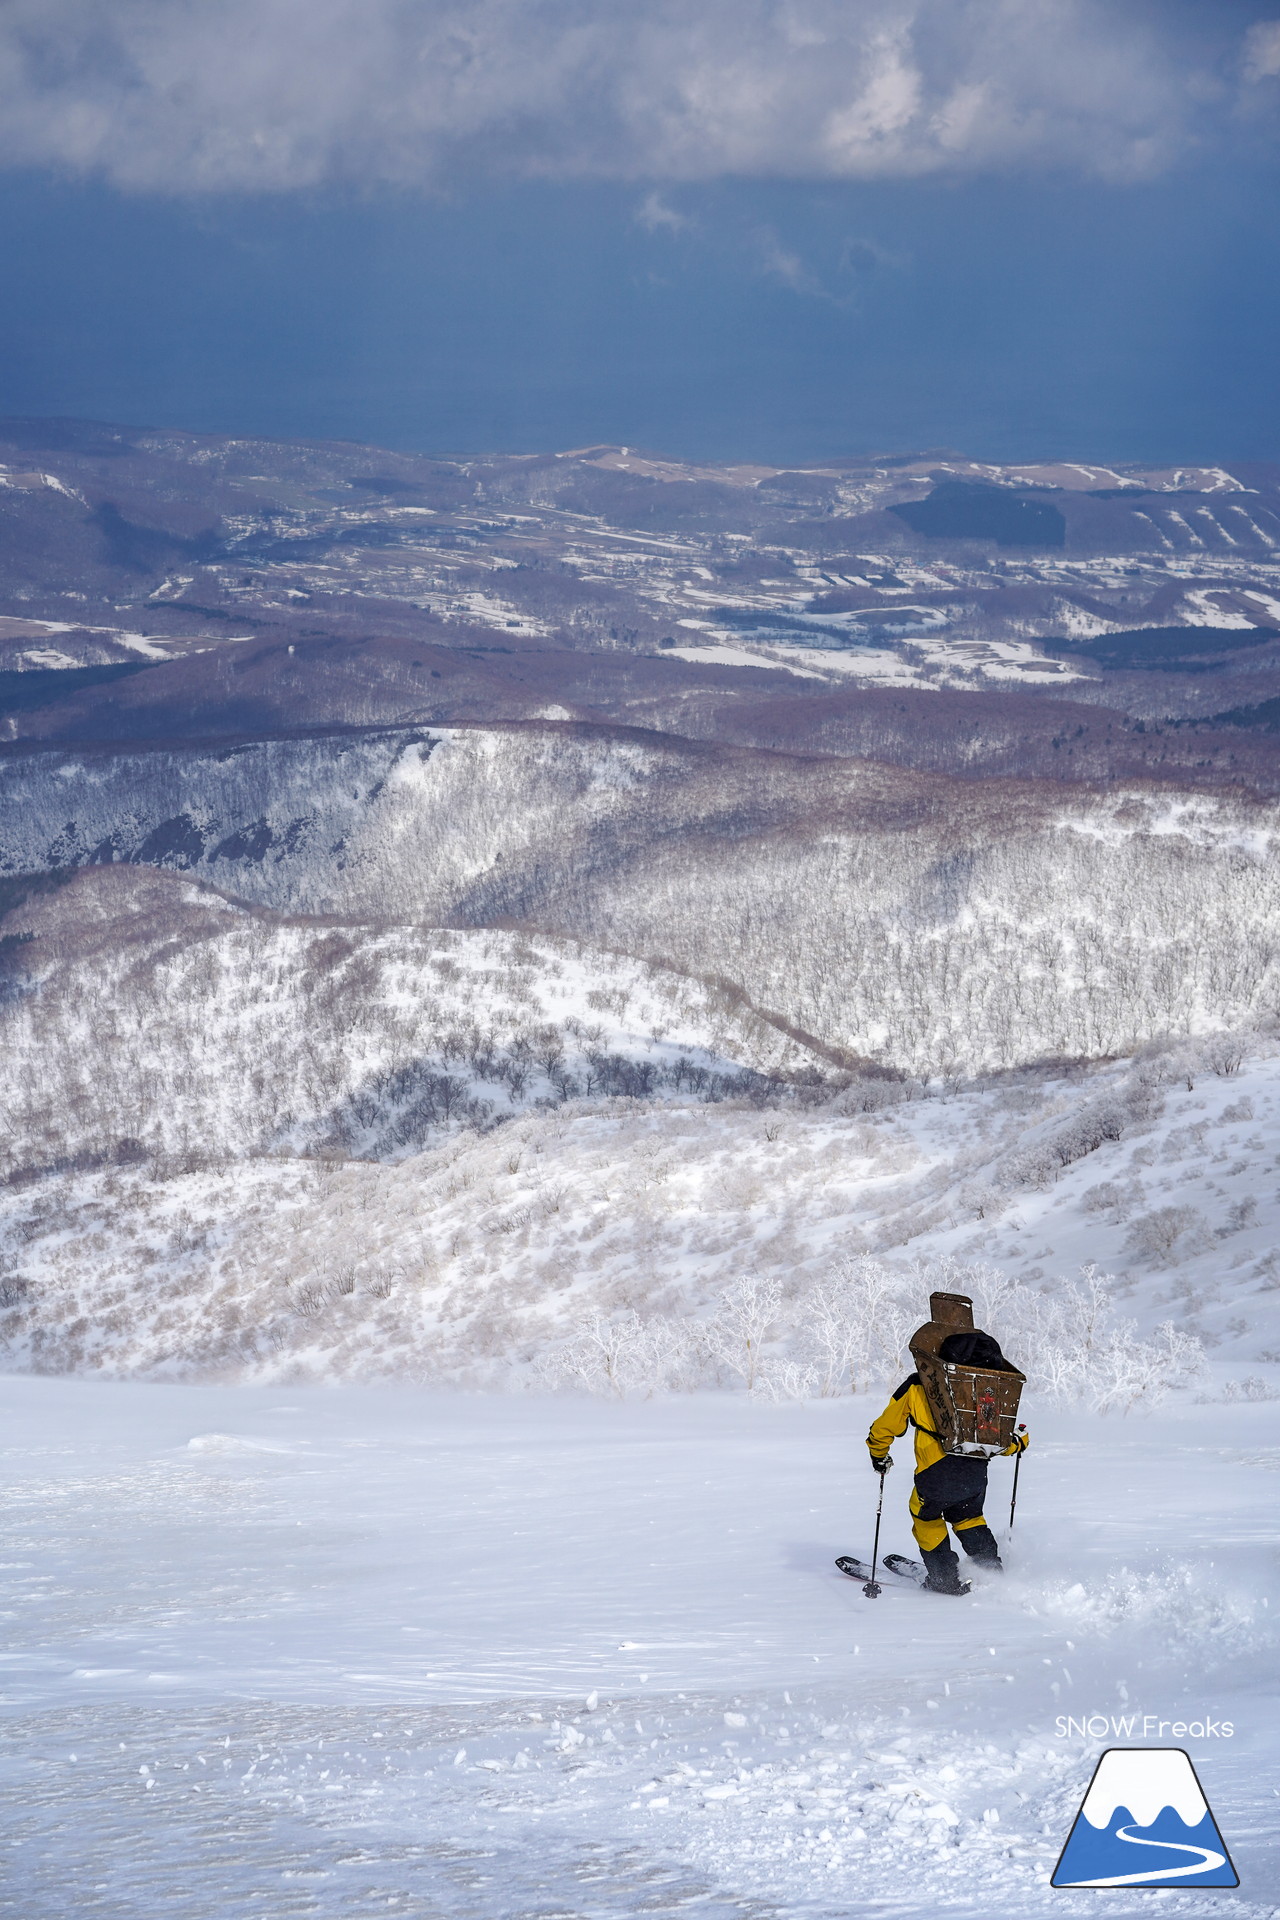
{"x": 747, "y": 1314}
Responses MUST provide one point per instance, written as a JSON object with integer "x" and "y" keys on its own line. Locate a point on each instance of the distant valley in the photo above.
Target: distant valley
{"x": 195, "y": 585}
{"x": 356, "y": 806}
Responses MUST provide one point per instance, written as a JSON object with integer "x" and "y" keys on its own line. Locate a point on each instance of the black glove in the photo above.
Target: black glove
{"x": 882, "y": 1464}
{"x": 1021, "y": 1441}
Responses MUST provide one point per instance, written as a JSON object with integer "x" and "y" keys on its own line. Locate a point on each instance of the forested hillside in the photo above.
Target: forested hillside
{"x": 931, "y": 925}
{"x": 666, "y": 1227}
{"x": 459, "y": 914}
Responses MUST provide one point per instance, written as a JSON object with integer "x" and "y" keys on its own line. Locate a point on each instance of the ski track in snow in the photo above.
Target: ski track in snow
{"x": 362, "y": 1650}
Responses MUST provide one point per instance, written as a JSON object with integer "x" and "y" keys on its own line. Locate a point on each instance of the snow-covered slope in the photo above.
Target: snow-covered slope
{"x": 482, "y": 1259}
{"x": 474, "y": 1015}
{"x": 324, "y": 1654}
{"x": 149, "y": 1017}
{"x": 926, "y": 923}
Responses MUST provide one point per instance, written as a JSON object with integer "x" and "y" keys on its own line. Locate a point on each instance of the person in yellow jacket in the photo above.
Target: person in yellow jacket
{"x": 950, "y": 1488}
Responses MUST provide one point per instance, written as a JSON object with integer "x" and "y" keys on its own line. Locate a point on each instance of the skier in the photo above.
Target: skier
{"x": 949, "y": 1487}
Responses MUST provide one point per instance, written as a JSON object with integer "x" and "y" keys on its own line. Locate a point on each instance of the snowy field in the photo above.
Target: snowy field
{"x": 324, "y": 1651}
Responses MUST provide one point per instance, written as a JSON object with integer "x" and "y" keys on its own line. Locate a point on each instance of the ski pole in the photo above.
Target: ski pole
{"x": 1017, "y": 1462}
{"x": 872, "y": 1588}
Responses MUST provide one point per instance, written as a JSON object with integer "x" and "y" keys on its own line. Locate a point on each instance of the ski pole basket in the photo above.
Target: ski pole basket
{"x": 975, "y": 1408}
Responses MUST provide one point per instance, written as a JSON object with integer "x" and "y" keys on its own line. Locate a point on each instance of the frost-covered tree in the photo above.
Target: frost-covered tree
{"x": 747, "y": 1314}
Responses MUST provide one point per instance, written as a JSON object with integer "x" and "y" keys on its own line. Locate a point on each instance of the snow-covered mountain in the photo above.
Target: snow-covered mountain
{"x": 928, "y": 924}
{"x": 148, "y": 1017}
{"x": 373, "y": 828}
{"x": 588, "y": 922}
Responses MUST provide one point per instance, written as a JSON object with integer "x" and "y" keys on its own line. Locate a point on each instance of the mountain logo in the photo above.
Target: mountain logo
{"x": 1145, "y": 1823}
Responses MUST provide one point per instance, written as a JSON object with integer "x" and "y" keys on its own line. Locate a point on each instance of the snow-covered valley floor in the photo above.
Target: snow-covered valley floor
{"x": 329, "y": 1651}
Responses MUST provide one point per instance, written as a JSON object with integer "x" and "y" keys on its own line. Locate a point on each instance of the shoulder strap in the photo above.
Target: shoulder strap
{"x": 933, "y": 1435}
{"x": 914, "y": 1380}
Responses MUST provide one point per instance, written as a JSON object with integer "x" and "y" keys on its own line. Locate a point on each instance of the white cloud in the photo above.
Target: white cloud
{"x": 182, "y": 95}
{"x": 779, "y": 262}
{"x": 1262, "y": 50}
{"x": 655, "y": 216}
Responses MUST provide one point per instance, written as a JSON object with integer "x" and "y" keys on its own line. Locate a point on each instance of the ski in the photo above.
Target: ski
{"x": 895, "y": 1562}
{"x": 912, "y": 1570}
{"x": 862, "y": 1569}
{"x": 909, "y": 1571}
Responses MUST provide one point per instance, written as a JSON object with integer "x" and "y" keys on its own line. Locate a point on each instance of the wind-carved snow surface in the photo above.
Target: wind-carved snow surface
{"x": 440, "y": 1654}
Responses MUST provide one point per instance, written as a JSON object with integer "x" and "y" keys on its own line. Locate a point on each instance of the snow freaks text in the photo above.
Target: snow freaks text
{"x": 1141, "y": 1726}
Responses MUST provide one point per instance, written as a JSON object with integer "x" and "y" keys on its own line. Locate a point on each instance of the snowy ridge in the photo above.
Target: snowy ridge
{"x": 476, "y": 1140}
{"x": 483, "y": 1258}
{"x": 148, "y": 1015}
{"x": 930, "y": 925}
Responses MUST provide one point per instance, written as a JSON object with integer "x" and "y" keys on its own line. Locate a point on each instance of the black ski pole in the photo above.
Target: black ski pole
{"x": 872, "y": 1588}
{"x": 1017, "y": 1462}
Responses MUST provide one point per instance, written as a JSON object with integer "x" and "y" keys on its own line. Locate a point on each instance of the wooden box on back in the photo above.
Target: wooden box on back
{"x": 975, "y": 1409}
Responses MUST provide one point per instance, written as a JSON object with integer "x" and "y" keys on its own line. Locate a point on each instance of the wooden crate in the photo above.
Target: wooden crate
{"x": 975, "y": 1409}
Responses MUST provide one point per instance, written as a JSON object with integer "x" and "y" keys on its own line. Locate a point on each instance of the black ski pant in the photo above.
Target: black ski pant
{"x": 951, "y": 1493}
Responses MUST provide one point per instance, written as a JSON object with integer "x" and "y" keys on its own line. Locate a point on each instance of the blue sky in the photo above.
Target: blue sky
{"x": 1015, "y": 227}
